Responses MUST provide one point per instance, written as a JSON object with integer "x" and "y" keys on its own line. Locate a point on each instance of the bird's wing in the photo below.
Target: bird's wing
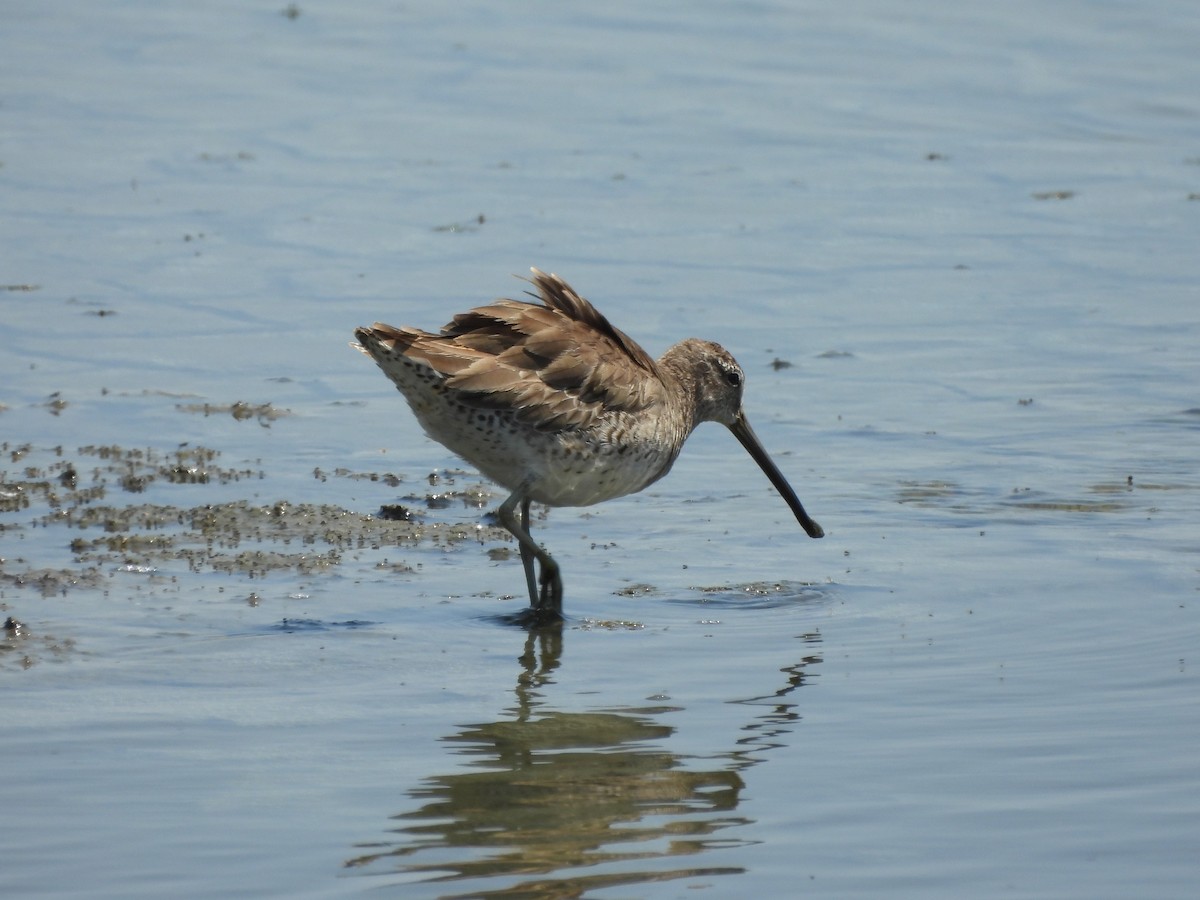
{"x": 556, "y": 366}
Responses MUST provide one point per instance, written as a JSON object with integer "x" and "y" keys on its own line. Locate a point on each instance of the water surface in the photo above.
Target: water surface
{"x": 954, "y": 251}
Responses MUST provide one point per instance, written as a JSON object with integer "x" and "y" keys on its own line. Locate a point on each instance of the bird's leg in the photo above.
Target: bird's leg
{"x": 527, "y": 556}
{"x": 549, "y": 598}
{"x": 551, "y": 594}
{"x": 552, "y": 589}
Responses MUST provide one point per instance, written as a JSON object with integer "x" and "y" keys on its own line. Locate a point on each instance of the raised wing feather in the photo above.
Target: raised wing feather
{"x": 556, "y": 365}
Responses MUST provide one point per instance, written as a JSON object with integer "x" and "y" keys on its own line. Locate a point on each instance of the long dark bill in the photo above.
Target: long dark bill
{"x": 744, "y": 433}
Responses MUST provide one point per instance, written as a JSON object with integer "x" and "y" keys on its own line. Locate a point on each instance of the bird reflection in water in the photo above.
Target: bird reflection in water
{"x": 563, "y": 803}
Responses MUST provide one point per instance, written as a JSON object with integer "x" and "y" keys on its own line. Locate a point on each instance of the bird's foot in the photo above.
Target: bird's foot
{"x": 550, "y": 596}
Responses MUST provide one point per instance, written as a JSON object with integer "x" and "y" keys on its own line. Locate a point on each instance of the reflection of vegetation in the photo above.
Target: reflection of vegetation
{"x": 550, "y": 792}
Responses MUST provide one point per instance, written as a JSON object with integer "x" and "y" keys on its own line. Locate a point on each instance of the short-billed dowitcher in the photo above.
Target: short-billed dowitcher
{"x": 551, "y": 401}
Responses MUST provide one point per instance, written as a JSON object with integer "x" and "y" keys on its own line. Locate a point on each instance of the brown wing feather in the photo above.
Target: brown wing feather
{"x": 557, "y": 294}
{"x": 555, "y": 366}
{"x": 447, "y": 359}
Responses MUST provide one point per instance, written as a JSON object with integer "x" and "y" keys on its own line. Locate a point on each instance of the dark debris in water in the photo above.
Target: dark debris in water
{"x": 265, "y": 413}
{"x": 977, "y": 502}
{"x": 610, "y": 625}
{"x": 382, "y": 477}
{"x": 49, "y": 581}
{"x": 1070, "y": 506}
{"x": 462, "y": 227}
{"x": 637, "y": 590}
{"x": 394, "y": 512}
{"x": 21, "y": 648}
{"x": 755, "y": 594}
{"x": 292, "y": 626}
{"x": 55, "y": 404}
{"x": 82, "y": 490}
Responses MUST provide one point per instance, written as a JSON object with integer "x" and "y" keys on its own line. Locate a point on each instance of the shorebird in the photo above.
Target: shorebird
{"x": 555, "y": 404}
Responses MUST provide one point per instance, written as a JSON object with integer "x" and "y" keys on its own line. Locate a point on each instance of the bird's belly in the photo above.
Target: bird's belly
{"x": 581, "y": 476}
{"x": 572, "y": 468}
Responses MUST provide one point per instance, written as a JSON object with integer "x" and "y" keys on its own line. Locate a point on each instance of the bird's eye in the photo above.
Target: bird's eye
{"x": 733, "y": 378}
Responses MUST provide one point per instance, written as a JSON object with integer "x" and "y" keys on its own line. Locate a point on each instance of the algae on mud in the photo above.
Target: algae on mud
{"x": 81, "y": 490}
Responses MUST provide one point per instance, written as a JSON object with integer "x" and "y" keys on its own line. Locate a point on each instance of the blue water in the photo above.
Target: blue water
{"x": 971, "y": 232}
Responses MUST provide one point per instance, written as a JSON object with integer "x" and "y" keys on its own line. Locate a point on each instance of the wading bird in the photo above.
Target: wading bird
{"x": 552, "y": 402}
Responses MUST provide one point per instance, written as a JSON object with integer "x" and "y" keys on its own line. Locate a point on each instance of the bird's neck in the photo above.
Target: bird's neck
{"x": 677, "y": 368}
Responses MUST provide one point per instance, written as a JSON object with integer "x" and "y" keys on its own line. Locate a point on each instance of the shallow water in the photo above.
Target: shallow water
{"x": 955, "y": 252}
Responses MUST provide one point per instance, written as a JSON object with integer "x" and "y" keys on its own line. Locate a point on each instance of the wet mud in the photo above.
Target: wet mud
{"x": 77, "y": 518}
